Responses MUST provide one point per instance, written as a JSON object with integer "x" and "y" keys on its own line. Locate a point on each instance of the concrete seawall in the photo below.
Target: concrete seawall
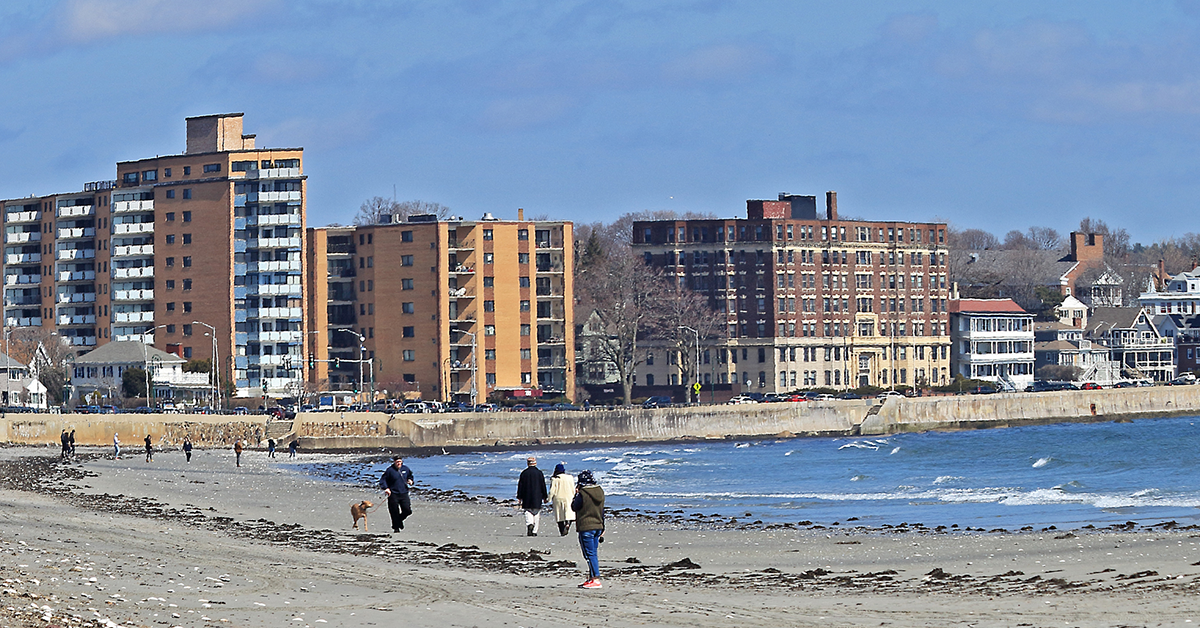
{"x": 326, "y": 431}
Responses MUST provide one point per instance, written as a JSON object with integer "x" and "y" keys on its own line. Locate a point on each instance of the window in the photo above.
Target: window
{"x": 187, "y": 216}
{"x": 171, "y": 306}
{"x": 150, "y": 175}
{"x": 489, "y": 330}
{"x": 187, "y": 170}
{"x": 405, "y": 260}
{"x": 171, "y": 215}
{"x": 526, "y": 378}
{"x": 212, "y": 168}
{"x": 524, "y": 306}
{"x": 242, "y": 166}
{"x": 489, "y": 354}
{"x": 187, "y": 284}
{"x": 187, "y": 192}
{"x": 187, "y": 238}
{"x": 170, "y": 262}
{"x": 488, "y": 258}
{"x": 410, "y": 355}
{"x": 409, "y": 332}
{"x": 522, "y": 234}
{"x": 170, "y": 284}
{"x": 406, "y": 284}
{"x": 491, "y": 379}
{"x": 170, "y": 238}
{"x": 488, "y": 282}
{"x": 170, "y": 193}
{"x": 170, "y": 329}
{"x": 524, "y": 282}
{"x": 487, "y": 234}
{"x": 526, "y": 354}
{"x": 166, "y": 173}
{"x": 407, "y": 307}
{"x": 187, "y": 305}
{"x": 522, "y": 258}
{"x": 187, "y": 262}
{"x": 406, "y": 236}
{"x": 187, "y": 352}
{"x": 187, "y": 330}
{"x": 525, "y": 330}
{"x": 489, "y": 306}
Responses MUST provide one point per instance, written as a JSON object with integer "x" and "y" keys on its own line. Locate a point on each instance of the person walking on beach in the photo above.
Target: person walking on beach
{"x": 149, "y": 449}
{"x": 71, "y": 442}
{"x": 237, "y": 450}
{"x": 292, "y": 448}
{"x": 532, "y": 493}
{"x": 562, "y": 491}
{"x": 589, "y": 514}
{"x": 187, "y": 447}
{"x": 66, "y": 447}
{"x": 270, "y": 447}
{"x": 116, "y": 447}
{"x": 395, "y": 482}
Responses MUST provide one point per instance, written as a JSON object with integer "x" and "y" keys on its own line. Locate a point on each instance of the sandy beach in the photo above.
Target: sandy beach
{"x": 124, "y": 542}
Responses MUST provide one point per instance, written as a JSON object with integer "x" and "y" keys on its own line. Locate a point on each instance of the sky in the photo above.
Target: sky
{"x": 992, "y": 115}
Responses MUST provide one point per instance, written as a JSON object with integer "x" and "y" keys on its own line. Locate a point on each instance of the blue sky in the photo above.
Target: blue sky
{"x": 998, "y": 115}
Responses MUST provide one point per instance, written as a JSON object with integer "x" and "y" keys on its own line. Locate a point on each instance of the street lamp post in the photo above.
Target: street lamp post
{"x": 146, "y": 363}
{"x": 696, "y": 364}
{"x": 362, "y": 357}
{"x": 214, "y": 376}
{"x": 7, "y": 368}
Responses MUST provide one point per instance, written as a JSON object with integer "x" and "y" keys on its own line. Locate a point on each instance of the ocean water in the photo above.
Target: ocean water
{"x": 1067, "y": 475}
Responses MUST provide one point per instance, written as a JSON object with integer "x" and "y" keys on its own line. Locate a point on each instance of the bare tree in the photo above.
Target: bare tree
{"x": 626, "y": 296}
{"x": 971, "y": 239}
{"x": 1045, "y": 238}
{"x": 47, "y": 355}
{"x": 1016, "y": 240}
{"x": 687, "y": 322}
{"x": 372, "y": 211}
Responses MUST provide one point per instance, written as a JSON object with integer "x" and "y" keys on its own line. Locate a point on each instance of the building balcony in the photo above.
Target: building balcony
{"x": 70, "y": 233}
{"x": 18, "y": 237}
{"x": 132, "y": 206}
{"x": 26, "y": 321}
{"x": 76, "y": 297}
{"x": 274, "y": 266}
{"x": 290, "y": 313}
{"x": 552, "y": 268}
{"x": 147, "y": 339}
{"x": 275, "y": 336}
{"x": 135, "y": 249}
{"x": 123, "y": 228}
{"x": 20, "y": 280}
{"x": 65, "y": 254}
{"x": 133, "y": 295}
{"x": 22, "y": 258}
{"x": 273, "y": 173}
{"x": 460, "y": 293}
{"x": 273, "y": 243}
{"x": 76, "y": 211}
{"x": 552, "y": 363}
{"x": 550, "y": 292}
{"x": 75, "y": 275}
{"x": 551, "y": 340}
{"x": 271, "y": 360}
{"x": 67, "y": 319}
{"x": 291, "y": 289}
{"x": 82, "y": 341}
{"x": 549, "y": 244}
{"x": 461, "y": 269}
{"x": 465, "y": 245}
{"x": 15, "y": 217}
{"x": 132, "y": 272}
{"x": 272, "y": 197}
{"x": 21, "y": 301}
{"x": 274, "y": 219}
{"x": 133, "y": 317}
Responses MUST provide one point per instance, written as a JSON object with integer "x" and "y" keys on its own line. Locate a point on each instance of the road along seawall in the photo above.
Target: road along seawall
{"x": 340, "y": 431}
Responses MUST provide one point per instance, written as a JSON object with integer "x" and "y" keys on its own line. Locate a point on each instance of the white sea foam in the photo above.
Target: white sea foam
{"x": 1041, "y": 462}
{"x": 790, "y": 452}
{"x": 860, "y": 445}
{"x": 947, "y": 478}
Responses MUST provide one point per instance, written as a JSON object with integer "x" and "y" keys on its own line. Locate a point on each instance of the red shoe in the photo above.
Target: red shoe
{"x": 591, "y": 584}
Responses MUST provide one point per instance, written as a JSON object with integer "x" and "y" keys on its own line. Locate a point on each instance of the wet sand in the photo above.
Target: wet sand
{"x": 124, "y": 542}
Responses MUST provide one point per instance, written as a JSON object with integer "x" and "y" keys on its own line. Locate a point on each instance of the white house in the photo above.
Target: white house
{"x": 97, "y": 374}
{"x": 992, "y": 340}
{"x": 19, "y": 387}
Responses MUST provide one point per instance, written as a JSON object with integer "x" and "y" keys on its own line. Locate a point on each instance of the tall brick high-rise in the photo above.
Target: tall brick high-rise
{"x": 178, "y": 243}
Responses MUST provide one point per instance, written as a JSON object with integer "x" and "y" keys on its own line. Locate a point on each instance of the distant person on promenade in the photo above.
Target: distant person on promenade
{"x": 187, "y": 447}
{"x": 562, "y": 491}
{"x": 532, "y": 493}
{"x": 395, "y": 482}
{"x": 270, "y": 447}
{"x": 589, "y": 513}
{"x": 149, "y": 449}
{"x": 237, "y": 450}
{"x": 116, "y": 447}
{"x": 71, "y": 442}
{"x": 292, "y": 447}
{"x": 66, "y": 445}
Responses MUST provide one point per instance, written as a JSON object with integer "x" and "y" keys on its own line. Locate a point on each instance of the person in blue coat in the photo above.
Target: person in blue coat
{"x": 396, "y": 480}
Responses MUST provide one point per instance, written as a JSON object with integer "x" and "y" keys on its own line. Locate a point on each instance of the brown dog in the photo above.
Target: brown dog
{"x": 359, "y": 511}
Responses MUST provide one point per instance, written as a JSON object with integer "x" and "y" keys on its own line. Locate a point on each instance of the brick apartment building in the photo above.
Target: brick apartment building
{"x": 212, "y": 236}
{"x": 410, "y": 289}
{"x": 812, "y": 302}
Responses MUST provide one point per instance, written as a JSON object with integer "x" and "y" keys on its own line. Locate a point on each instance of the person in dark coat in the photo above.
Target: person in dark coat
{"x": 66, "y": 447}
{"x": 71, "y": 442}
{"x": 395, "y": 482}
{"x": 532, "y": 493}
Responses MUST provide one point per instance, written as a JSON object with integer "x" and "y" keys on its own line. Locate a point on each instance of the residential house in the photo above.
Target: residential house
{"x": 1141, "y": 350}
{"x": 992, "y": 340}
{"x": 97, "y": 375}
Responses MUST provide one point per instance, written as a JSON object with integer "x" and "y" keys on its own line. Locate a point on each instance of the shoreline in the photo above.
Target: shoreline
{"x": 263, "y": 535}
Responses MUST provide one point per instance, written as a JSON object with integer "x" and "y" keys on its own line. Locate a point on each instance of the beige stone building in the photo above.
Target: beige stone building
{"x": 409, "y": 290}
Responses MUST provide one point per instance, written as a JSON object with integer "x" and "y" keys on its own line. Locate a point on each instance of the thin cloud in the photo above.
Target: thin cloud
{"x": 84, "y": 21}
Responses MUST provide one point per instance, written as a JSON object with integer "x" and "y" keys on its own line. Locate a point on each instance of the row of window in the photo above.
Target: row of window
{"x": 791, "y": 231}
{"x": 807, "y": 256}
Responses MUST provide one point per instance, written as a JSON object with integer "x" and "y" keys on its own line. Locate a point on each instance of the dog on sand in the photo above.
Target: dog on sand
{"x": 359, "y": 511}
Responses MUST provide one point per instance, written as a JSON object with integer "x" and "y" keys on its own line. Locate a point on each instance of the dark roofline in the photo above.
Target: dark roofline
{"x": 218, "y": 152}
{"x": 217, "y": 115}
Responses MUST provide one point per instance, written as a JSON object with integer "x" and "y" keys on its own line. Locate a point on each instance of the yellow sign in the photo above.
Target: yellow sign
{"x": 696, "y": 387}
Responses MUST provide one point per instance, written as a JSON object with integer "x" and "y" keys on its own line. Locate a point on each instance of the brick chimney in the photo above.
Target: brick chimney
{"x": 1087, "y": 247}
{"x": 520, "y": 214}
{"x": 831, "y": 206}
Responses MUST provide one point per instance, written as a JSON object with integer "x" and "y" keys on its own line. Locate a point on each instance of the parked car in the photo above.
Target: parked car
{"x": 1186, "y": 379}
{"x": 566, "y": 407}
{"x": 983, "y": 390}
{"x": 485, "y": 407}
{"x": 1046, "y": 386}
{"x": 824, "y": 397}
{"x": 1124, "y": 385}
{"x": 794, "y": 397}
{"x": 657, "y": 402}
{"x": 1090, "y": 386}
{"x": 742, "y": 399}
{"x": 888, "y": 393}
{"x": 520, "y": 407}
{"x": 282, "y": 413}
{"x": 849, "y": 395}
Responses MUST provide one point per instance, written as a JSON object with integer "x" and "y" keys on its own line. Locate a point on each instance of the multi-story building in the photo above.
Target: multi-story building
{"x": 813, "y": 302}
{"x": 204, "y": 246}
{"x": 429, "y": 304}
{"x": 992, "y": 340}
{"x": 1056, "y": 343}
{"x": 1134, "y": 342}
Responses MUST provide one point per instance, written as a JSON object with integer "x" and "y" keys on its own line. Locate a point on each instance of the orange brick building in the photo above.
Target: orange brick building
{"x": 410, "y": 289}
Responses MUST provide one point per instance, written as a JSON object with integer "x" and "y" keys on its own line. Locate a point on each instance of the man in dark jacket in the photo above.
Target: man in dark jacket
{"x": 395, "y": 482}
{"x": 532, "y": 493}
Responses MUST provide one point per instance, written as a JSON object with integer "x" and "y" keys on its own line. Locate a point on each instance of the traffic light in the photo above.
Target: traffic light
{"x": 337, "y": 363}
{"x": 312, "y": 362}
{"x": 264, "y": 383}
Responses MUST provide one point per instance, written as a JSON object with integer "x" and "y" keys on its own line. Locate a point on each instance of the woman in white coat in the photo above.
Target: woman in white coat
{"x": 562, "y": 491}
